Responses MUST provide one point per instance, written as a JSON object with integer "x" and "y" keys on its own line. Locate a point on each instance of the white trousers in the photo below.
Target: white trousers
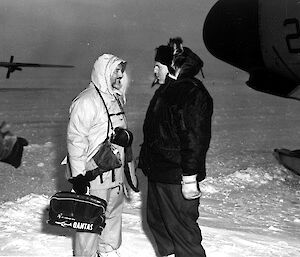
{"x": 89, "y": 244}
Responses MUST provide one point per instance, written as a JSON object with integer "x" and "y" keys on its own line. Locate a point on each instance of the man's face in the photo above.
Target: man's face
{"x": 160, "y": 72}
{"x": 116, "y": 77}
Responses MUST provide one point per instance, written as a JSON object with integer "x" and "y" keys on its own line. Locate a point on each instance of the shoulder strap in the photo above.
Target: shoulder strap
{"x": 121, "y": 108}
{"x": 109, "y": 120}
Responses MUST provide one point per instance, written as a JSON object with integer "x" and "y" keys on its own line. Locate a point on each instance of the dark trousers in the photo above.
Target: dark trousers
{"x": 173, "y": 221}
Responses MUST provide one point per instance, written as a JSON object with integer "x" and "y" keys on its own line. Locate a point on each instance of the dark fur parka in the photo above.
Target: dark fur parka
{"x": 177, "y": 127}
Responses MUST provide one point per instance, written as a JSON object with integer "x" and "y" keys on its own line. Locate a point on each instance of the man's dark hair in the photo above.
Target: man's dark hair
{"x": 164, "y": 55}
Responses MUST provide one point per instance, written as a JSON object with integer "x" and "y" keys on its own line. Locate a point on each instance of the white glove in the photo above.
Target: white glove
{"x": 190, "y": 187}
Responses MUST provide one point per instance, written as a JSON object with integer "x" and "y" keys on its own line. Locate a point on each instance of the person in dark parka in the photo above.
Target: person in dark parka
{"x": 177, "y": 133}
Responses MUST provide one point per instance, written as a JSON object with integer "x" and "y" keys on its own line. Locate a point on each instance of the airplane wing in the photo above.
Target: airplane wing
{"x": 13, "y": 66}
{"x": 34, "y": 65}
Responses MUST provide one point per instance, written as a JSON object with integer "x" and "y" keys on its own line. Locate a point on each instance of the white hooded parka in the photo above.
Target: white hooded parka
{"x": 88, "y": 124}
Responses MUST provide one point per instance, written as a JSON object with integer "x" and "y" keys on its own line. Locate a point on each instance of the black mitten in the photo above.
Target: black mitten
{"x": 80, "y": 184}
{"x": 15, "y": 156}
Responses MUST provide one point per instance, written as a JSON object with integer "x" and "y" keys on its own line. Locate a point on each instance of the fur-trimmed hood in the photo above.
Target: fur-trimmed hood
{"x": 102, "y": 71}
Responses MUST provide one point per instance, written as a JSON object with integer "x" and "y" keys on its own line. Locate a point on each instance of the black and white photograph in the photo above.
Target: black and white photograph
{"x": 150, "y": 128}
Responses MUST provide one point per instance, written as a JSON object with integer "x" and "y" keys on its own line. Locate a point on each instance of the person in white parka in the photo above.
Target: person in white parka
{"x": 87, "y": 129}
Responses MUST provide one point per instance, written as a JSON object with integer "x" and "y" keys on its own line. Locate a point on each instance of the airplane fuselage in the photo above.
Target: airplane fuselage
{"x": 260, "y": 37}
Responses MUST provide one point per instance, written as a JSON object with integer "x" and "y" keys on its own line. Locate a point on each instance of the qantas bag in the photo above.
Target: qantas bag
{"x": 85, "y": 213}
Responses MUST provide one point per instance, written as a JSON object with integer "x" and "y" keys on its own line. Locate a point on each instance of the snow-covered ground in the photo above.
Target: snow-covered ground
{"x": 250, "y": 205}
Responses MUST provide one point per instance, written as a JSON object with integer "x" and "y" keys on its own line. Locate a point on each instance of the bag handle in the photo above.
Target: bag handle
{"x": 109, "y": 120}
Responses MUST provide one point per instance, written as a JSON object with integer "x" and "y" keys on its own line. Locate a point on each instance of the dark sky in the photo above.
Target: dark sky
{"x": 78, "y": 31}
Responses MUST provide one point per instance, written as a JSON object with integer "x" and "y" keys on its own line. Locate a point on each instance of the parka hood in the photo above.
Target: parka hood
{"x": 101, "y": 74}
{"x": 192, "y": 64}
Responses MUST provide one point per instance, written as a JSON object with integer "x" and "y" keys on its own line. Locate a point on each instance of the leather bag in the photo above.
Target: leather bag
{"x": 107, "y": 157}
{"x": 84, "y": 213}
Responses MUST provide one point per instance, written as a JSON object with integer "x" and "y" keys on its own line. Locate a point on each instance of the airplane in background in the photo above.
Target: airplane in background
{"x": 13, "y": 66}
{"x": 262, "y": 38}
